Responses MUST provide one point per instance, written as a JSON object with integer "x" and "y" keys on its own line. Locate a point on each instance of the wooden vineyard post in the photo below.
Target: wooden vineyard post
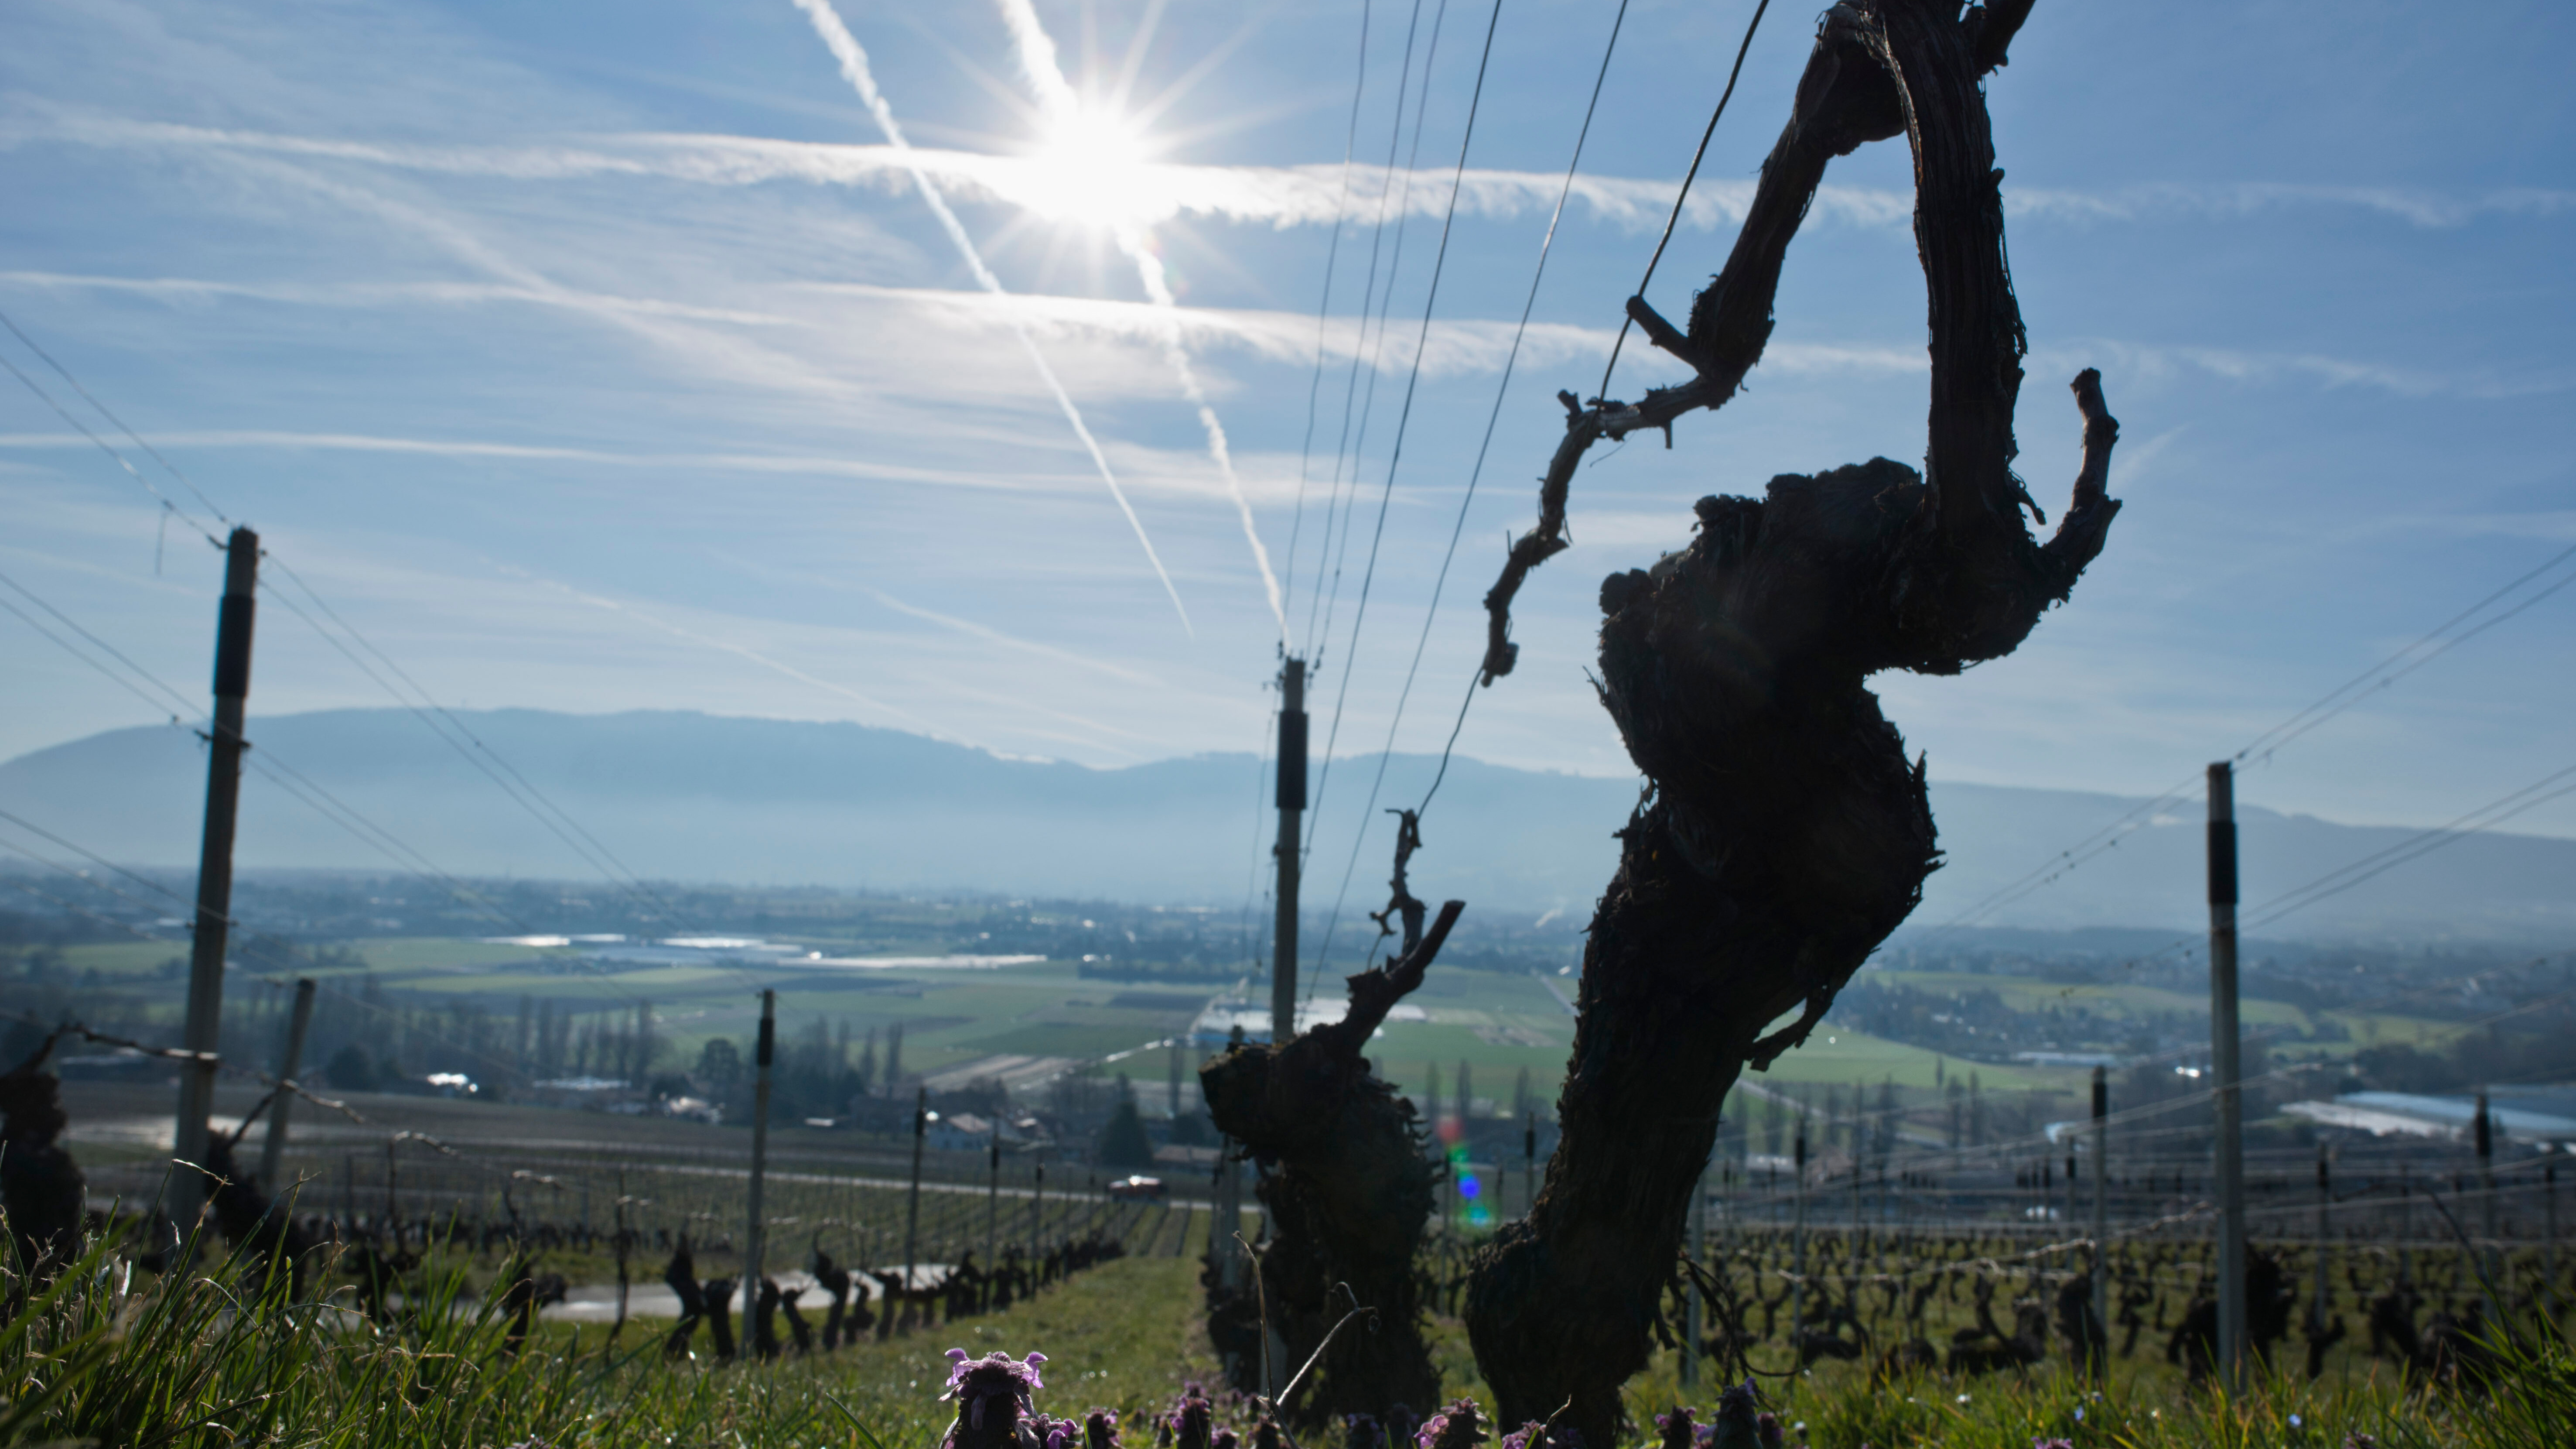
{"x": 290, "y": 1062}
{"x": 2405, "y": 1223}
{"x": 2102, "y": 1210}
{"x": 1798, "y": 1234}
{"x": 912, "y": 1205}
{"x": 2549, "y": 1240}
{"x": 203, "y": 1030}
{"x": 754, "y": 1320}
{"x": 1529, "y": 1165}
{"x": 624, "y": 1250}
{"x": 2325, "y": 1202}
{"x": 2488, "y": 1256}
{"x": 1292, "y": 808}
{"x": 1037, "y": 1209}
{"x": 1851, "y": 1249}
{"x": 2224, "y": 1047}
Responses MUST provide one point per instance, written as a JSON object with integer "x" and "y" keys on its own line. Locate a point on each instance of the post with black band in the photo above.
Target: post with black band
{"x": 2227, "y": 1069}
{"x": 224, "y": 748}
{"x": 1292, "y": 809}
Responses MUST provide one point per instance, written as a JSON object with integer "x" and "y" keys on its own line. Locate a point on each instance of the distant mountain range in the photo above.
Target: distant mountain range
{"x": 698, "y": 797}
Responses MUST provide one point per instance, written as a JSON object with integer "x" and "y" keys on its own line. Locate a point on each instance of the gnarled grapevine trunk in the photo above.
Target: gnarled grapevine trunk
{"x": 1786, "y": 833}
{"x": 1348, "y": 1189}
{"x": 41, "y": 1187}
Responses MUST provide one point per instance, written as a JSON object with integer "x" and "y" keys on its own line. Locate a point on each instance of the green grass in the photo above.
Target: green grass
{"x": 2371, "y": 1029}
{"x": 404, "y": 954}
{"x": 621, "y": 986}
{"x": 1837, "y": 1055}
{"x": 2023, "y": 993}
{"x": 124, "y": 958}
{"x": 223, "y": 1356}
{"x": 1056, "y": 1039}
{"x": 109, "y": 1357}
{"x": 1118, "y": 1337}
{"x": 220, "y": 1357}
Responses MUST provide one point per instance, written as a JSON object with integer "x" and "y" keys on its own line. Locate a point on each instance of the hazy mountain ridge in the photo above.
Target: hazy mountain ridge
{"x": 689, "y": 796}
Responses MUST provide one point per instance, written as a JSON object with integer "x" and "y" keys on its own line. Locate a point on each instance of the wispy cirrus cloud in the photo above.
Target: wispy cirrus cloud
{"x": 1273, "y": 196}
{"x": 1463, "y": 347}
{"x": 1459, "y": 348}
{"x": 1063, "y": 110}
{"x": 854, "y": 67}
{"x": 2418, "y": 206}
{"x": 2272, "y": 368}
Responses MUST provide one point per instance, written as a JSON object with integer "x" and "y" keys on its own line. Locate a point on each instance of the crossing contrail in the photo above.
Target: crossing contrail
{"x": 1057, "y": 101}
{"x": 854, "y": 68}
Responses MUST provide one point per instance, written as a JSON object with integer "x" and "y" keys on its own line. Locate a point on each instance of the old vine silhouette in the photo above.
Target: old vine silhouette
{"x": 1786, "y": 833}
{"x": 1347, "y": 1186}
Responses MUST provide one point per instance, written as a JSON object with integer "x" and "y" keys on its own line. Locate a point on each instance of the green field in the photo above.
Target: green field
{"x": 2023, "y": 993}
{"x": 1498, "y": 1023}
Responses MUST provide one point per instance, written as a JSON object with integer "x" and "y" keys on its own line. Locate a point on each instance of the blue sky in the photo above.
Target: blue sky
{"x": 595, "y": 357}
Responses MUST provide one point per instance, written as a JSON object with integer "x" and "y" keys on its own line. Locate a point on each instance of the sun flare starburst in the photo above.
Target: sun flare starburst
{"x": 1095, "y": 168}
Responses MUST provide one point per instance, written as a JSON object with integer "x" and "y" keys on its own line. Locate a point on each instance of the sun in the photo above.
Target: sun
{"x": 1095, "y": 168}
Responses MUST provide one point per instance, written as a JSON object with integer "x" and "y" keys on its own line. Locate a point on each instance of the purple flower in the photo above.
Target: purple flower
{"x": 1459, "y": 1426}
{"x": 1100, "y": 1430}
{"x": 1361, "y": 1431}
{"x": 1736, "y": 1424}
{"x": 1023, "y": 1372}
{"x": 1192, "y": 1420}
{"x": 992, "y": 1394}
{"x": 2037, "y": 1443}
{"x": 1224, "y": 1440}
{"x": 1400, "y": 1424}
{"x": 1677, "y": 1428}
{"x": 1535, "y": 1435}
{"x": 1766, "y": 1427}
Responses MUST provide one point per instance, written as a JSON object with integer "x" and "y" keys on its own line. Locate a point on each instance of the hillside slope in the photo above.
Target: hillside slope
{"x": 680, "y": 795}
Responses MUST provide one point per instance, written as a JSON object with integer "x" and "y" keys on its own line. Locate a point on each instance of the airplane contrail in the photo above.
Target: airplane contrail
{"x": 1149, "y": 270}
{"x": 854, "y": 68}
{"x": 1056, "y": 99}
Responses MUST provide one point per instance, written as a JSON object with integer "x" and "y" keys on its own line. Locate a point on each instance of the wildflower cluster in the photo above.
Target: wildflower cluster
{"x": 994, "y": 1394}
{"x": 1741, "y": 1422}
{"x": 1192, "y": 1422}
{"x": 1459, "y": 1426}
